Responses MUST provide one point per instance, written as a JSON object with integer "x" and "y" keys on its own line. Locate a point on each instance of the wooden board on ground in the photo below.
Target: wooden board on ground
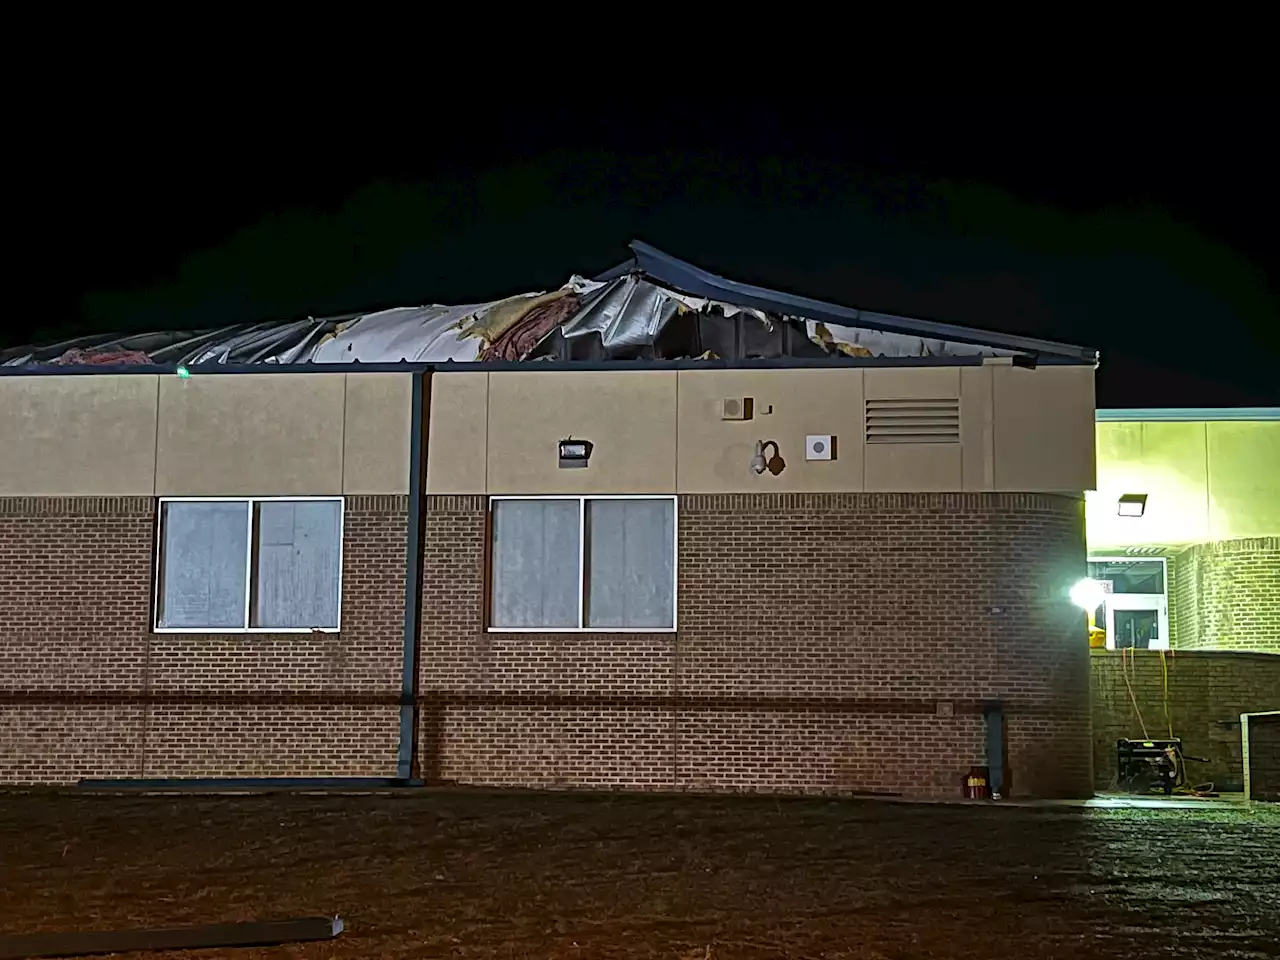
{"x": 83, "y": 944}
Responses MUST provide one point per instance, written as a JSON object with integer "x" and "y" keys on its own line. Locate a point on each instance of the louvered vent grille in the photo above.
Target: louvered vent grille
{"x": 913, "y": 421}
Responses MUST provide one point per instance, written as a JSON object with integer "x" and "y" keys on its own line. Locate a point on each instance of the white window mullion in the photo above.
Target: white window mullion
{"x": 248, "y": 569}
{"x": 675, "y": 561}
{"x": 582, "y": 562}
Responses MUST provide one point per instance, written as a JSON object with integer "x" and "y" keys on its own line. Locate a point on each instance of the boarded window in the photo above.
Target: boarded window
{"x": 204, "y": 556}
{"x": 631, "y": 564}
{"x": 535, "y": 563}
{"x": 219, "y": 571}
{"x": 583, "y": 563}
{"x": 299, "y": 544}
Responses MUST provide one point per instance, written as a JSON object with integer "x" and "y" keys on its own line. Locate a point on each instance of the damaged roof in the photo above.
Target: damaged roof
{"x": 651, "y": 307}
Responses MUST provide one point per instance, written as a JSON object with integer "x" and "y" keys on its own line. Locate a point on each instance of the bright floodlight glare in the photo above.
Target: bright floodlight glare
{"x": 1087, "y": 594}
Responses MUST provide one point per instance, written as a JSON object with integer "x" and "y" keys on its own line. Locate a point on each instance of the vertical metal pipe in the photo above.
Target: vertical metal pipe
{"x": 993, "y": 711}
{"x": 406, "y": 755}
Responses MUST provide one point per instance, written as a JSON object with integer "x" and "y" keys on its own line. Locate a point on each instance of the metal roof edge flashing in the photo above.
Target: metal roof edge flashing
{"x": 1186, "y": 414}
{"x": 691, "y": 363}
{"x": 562, "y": 366}
{"x": 693, "y": 280}
{"x": 215, "y": 369}
{"x": 476, "y": 366}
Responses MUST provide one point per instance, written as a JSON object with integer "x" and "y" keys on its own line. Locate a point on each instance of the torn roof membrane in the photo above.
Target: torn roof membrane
{"x": 651, "y": 307}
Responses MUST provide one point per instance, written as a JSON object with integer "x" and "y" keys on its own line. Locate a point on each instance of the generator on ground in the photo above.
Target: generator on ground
{"x": 1146, "y": 765}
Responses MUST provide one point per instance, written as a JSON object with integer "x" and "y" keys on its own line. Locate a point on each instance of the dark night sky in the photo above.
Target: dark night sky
{"x": 1146, "y": 228}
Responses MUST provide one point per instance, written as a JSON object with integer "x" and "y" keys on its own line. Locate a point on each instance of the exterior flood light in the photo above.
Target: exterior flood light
{"x": 1088, "y": 594}
{"x": 574, "y": 453}
{"x": 1133, "y": 504}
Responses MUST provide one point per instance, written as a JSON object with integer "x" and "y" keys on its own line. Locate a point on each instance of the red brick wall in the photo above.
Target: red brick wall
{"x": 1262, "y": 757}
{"x": 817, "y": 636}
{"x": 1226, "y": 596}
{"x": 88, "y": 691}
{"x": 1207, "y": 692}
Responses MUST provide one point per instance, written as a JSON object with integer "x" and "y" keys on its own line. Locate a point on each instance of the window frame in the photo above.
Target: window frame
{"x": 582, "y": 499}
{"x": 1162, "y": 560}
{"x": 1161, "y": 600}
{"x": 250, "y": 566}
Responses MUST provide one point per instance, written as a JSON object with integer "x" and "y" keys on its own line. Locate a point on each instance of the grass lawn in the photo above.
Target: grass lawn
{"x": 460, "y": 874}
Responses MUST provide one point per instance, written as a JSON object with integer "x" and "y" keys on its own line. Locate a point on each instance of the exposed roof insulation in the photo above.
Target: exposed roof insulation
{"x": 652, "y": 307}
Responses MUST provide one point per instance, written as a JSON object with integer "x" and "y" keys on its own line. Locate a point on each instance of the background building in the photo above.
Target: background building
{"x": 1192, "y": 563}
{"x": 1199, "y": 566}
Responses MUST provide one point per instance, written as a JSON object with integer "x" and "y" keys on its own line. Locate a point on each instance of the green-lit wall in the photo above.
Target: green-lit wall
{"x": 1213, "y": 510}
{"x": 1206, "y": 481}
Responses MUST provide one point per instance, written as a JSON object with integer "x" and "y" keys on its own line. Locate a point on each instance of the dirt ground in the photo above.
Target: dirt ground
{"x": 576, "y": 876}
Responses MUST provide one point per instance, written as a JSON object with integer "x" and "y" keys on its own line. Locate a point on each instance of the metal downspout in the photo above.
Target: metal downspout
{"x": 997, "y": 762}
{"x": 407, "y": 754}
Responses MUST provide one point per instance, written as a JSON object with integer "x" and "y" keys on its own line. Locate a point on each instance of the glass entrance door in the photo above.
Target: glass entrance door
{"x": 1135, "y": 613}
{"x": 1137, "y": 621}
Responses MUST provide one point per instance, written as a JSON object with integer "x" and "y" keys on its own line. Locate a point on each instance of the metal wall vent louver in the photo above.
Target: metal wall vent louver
{"x": 913, "y": 421}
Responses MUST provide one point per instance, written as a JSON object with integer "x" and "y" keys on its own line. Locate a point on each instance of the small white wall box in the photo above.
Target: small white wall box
{"x": 735, "y": 408}
{"x": 819, "y": 447}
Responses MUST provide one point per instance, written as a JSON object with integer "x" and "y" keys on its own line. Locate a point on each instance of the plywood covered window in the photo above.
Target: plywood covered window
{"x": 249, "y": 564}
{"x": 583, "y": 563}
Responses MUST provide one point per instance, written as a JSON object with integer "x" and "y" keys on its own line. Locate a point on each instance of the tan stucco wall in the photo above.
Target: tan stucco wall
{"x": 223, "y": 435}
{"x": 917, "y": 466}
{"x": 375, "y": 435}
{"x": 1044, "y": 428}
{"x": 629, "y": 417}
{"x": 655, "y": 431}
{"x": 1205, "y": 481}
{"x": 787, "y": 405}
{"x": 78, "y": 435}
{"x": 977, "y": 429}
{"x": 661, "y": 431}
{"x": 257, "y": 434}
{"x": 458, "y": 433}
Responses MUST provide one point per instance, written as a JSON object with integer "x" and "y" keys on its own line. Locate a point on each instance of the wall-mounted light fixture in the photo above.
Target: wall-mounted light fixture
{"x": 1132, "y": 505}
{"x": 760, "y": 463}
{"x": 574, "y": 453}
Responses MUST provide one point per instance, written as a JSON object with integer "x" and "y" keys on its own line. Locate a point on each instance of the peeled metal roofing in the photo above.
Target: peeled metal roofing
{"x": 627, "y": 313}
{"x": 694, "y": 280}
{"x": 626, "y": 309}
{"x": 433, "y": 333}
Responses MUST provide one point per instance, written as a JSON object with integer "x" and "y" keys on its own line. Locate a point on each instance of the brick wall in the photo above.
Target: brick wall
{"x": 818, "y": 635}
{"x": 1262, "y": 756}
{"x": 88, "y": 691}
{"x": 1226, "y": 596}
{"x": 1208, "y": 690}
